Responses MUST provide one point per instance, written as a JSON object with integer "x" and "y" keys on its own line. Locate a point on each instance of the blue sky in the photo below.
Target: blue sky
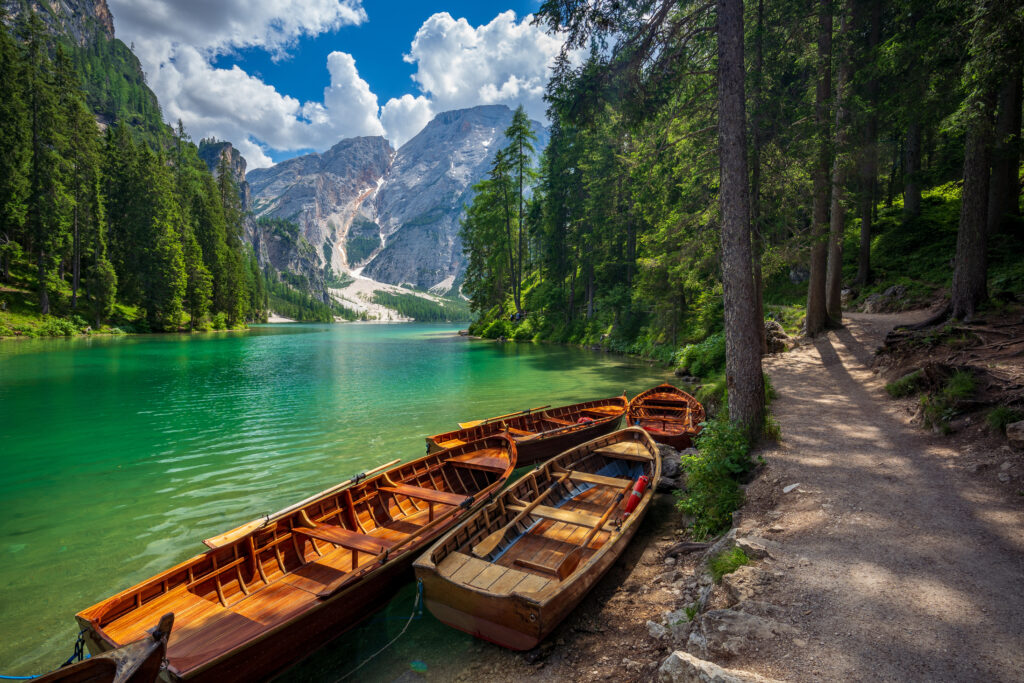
{"x": 282, "y": 77}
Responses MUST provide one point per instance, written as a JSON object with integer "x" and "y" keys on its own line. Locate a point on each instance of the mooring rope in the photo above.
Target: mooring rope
{"x": 416, "y": 607}
{"x": 77, "y": 655}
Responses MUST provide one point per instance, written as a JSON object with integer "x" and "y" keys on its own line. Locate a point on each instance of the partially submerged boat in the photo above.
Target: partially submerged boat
{"x": 670, "y": 415}
{"x": 515, "y": 568}
{"x": 137, "y": 662}
{"x": 269, "y": 592}
{"x": 541, "y": 433}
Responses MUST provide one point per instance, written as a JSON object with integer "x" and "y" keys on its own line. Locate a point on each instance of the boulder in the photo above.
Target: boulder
{"x": 656, "y": 630}
{"x": 678, "y": 625}
{"x": 728, "y": 632}
{"x": 1015, "y": 434}
{"x": 757, "y": 548}
{"x": 670, "y": 463}
{"x": 745, "y": 583}
{"x": 682, "y": 667}
{"x": 666, "y": 485}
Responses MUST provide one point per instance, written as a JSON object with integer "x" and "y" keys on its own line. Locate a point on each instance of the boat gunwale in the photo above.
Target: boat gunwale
{"x": 363, "y": 574}
{"x": 427, "y": 561}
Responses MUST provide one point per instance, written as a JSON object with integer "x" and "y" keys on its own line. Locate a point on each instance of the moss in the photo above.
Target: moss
{"x": 726, "y": 562}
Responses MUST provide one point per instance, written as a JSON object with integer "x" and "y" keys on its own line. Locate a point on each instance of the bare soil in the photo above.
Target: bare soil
{"x": 902, "y": 559}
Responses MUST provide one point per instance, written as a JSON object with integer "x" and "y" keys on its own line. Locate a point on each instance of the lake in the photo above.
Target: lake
{"x": 121, "y": 454}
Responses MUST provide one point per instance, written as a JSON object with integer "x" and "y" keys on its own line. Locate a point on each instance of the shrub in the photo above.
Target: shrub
{"x": 1000, "y": 416}
{"x": 712, "y": 492}
{"x": 57, "y": 327}
{"x": 219, "y": 321}
{"x": 705, "y": 358}
{"x": 905, "y": 386}
{"x": 726, "y": 562}
{"x": 714, "y": 396}
{"x": 960, "y": 386}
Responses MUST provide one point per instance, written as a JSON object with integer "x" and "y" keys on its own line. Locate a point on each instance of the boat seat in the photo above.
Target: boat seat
{"x": 451, "y": 443}
{"x": 599, "y": 480}
{"x": 625, "y": 450}
{"x": 558, "y": 420}
{"x": 429, "y": 495}
{"x": 520, "y": 432}
{"x": 346, "y": 539}
{"x": 488, "y": 460}
{"x": 567, "y": 516}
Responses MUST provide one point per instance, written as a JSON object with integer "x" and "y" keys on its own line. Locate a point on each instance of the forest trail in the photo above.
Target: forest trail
{"x": 897, "y": 563}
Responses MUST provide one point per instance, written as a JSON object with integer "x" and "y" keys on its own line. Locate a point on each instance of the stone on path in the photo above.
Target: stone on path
{"x": 727, "y": 632}
{"x": 681, "y": 667}
{"x": 1015, "y": 434}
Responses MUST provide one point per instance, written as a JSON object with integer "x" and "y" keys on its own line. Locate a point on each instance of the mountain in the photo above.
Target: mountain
{"x": 393, "y": 217}
{"x": 112, "y": 77}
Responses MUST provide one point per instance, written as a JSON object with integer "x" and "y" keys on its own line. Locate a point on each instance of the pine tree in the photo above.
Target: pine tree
{"x": 14, "y": 151}
{"x": 47, "y": 200}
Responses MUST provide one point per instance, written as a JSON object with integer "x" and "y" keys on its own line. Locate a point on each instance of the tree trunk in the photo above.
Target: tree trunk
{"x": 744, "y": 377}
{"x": 1004, "y": 191}
{"x": 970, "y": 269}
{"x": 912, "y": 171}
{"x": 869, "y": 153}
{"x": 756, "y": 219}
{"x": 817, "y": 314}
{"x": 44, "y": 295}
{"x": 76, "y": 261}
{"x": 837, "y": 222}
{"x": 522, "y": 230}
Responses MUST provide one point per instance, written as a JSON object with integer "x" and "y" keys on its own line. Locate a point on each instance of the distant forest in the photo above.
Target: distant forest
{"x": 124, "y": 226}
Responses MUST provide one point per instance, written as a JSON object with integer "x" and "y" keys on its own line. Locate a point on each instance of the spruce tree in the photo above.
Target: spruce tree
{"x": 14, "y": 151}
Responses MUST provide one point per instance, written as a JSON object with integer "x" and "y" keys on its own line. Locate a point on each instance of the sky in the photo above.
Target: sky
{"x": 279, "y": 78}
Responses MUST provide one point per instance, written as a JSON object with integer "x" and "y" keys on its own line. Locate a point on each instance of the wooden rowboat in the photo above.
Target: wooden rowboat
{"x": 514, "y": 569}
{"x": 670, "y": 415}
{"x": 138, "y": 662}
{"x": 542, "y": 434}
{"x": 263, "y": 596}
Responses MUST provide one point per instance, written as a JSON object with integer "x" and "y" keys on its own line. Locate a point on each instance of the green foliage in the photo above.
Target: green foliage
{"x": 692, "y": 611}
{"x": 938, "y": 408}
{"x": 906, "y": 385}
{"x": 1000, "y": 416}
{"x": 422, "y": 309}
{"x": 712, "y": 491}
{"x": 705, "y": 358}
{"x": 726, "y": 562}
{"x": 961, "y": 385}
{"x": 289, "y": 297}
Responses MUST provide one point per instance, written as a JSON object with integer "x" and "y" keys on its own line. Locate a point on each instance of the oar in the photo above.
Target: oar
{"x": 493, "y": 540}
{"x": 477, "y": 423}
{"x": 569, "y": 563}
{"x": 240, "y": 532}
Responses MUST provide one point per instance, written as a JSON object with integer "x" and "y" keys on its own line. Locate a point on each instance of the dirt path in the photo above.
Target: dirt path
{"x": 897, "y": 562}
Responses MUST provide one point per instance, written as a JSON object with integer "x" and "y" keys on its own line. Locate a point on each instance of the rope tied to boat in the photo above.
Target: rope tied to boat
{"x": 76, "y": 656}
{"x": 417, "y": 609}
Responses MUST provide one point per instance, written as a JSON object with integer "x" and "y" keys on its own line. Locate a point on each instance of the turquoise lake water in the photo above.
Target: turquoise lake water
{"x": 121, "y": 454}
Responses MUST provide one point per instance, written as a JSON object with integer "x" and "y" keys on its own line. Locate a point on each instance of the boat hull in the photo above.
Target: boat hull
{"x": 533, "y": 451}
{"x": 516, "y": 623}
{"x": 676, "y": 441}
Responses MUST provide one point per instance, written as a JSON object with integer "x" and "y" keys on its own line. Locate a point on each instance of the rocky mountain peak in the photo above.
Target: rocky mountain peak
{"x": 80, "y": 20}
{"x": 211, "y": 151}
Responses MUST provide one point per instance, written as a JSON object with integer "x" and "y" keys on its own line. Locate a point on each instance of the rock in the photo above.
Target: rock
{"x": 1015, "y": 434}
{"x": 791, "y": 487}
{"x": 1004, "y": 477}
{"x": 681, "y": 667}
{"x": 874, "y": 303}
{"x": 745, "y": 583}
{"x": 688, "y": 451}
{"x": 656, "y": 630}
{"x": 728, "y": 632}
{"x": 773, "y": 327}
{"x": 670, "y": 561}
{"x": 631, "y": 666}
{"x": 678, "y": 625}
{"x": 1006, "y": 465}
{"x": 761, "y": 609}
{"x": 666, "y": 485}
{"x": 671, "y": 465}
{"x": 757, "y": 548}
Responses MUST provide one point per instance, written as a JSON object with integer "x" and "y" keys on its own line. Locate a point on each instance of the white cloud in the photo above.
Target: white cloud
{"x": 457, "y": 65}
{"x": 405, "y": 116}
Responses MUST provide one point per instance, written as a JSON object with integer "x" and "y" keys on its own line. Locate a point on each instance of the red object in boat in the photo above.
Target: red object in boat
{"x": 637, "y": 493}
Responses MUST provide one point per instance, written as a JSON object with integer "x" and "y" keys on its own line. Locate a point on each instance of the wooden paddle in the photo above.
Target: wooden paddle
{"x": 477, "y": 423}
{"x": 569, "y": 563}
{"x": 493, "y": 540}
{"x": 240, "y": 532}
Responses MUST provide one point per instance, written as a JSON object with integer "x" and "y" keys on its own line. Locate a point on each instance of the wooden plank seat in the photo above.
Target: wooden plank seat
{"x": 567, "y": 516}
{"x": 452, "y": 443}
{"x": 599, "y": 480}
{"x": 624, "y": 450}
{"x": 604, "y": 411}
{"x": 520, "y": 432}
{"x": 346, "y": 539}
{"x": 488, "y": 460}
{"x": 558, "y": 420}
{"x": 429, "y": 495}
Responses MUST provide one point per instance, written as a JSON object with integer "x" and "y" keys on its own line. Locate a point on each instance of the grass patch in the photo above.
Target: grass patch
{"x": 961, "y": 385}
{"x": 941, "y": 407}
{"x": 726, "y": 562}
{"x": 1000, "y": 416}
{"x": 691, "y": 611}
{"x": 907, "y": 385}
{"x": 712, "y": 490}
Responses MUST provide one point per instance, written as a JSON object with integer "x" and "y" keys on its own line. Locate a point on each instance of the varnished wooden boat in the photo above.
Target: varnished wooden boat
{"x": 268, "y": 593}
{"x": 138, "y": 662}
{"x": 514, "y": 569}
{"x": 541, "y": 434}
{"x": 670, "y": 415}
